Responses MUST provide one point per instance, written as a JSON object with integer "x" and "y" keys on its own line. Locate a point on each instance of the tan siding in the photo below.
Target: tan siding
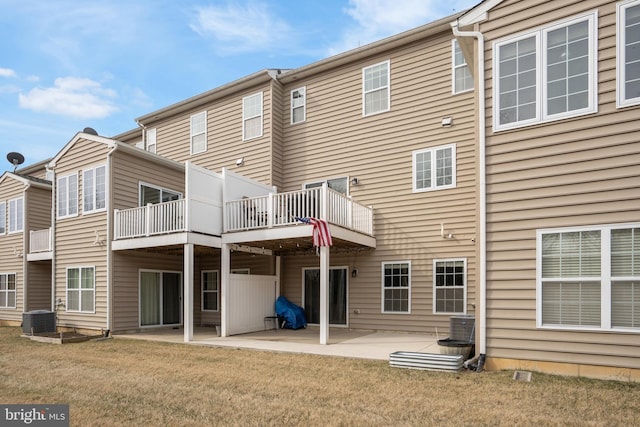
{"x": 224, "y": 137}
{"x": 280, "y": 115}
{"x": 573, "y": 172}
{"x": 336, "y": 140}
{"x": 75, "y": 238}
{"x": 39, "y": 286}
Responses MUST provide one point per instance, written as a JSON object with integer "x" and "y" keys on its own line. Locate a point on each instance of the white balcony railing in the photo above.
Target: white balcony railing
{"x": 40, "y": 241}
{"x": 150, "y": 220}
{"x": 277, "y": 209}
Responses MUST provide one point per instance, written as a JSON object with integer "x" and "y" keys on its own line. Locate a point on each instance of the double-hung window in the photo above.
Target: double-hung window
{"x": 434, "y": 168}
{"x": 252, "y": 116}
{"x": 16, "y": 215}
{"x": 210, "y": 291}
{"x": 449, "y": 282}
{"x": 628, "y": 55}
{"x": 396, "y": 287}
{"x": 199, "y": 133}
{"x": 67, "y": 196}
{"x": 376, "y": 88}
{"x": 94, "y": 189}
{"x": 546, "y": 74}
{"x": 81, "y": 289}
{"x": 3, "y": 218}
{"x": 7, "y": 290}
{"x": 462, "y": 80}
{"x": 298, "y": 105}
{"x": 589, "y": 277}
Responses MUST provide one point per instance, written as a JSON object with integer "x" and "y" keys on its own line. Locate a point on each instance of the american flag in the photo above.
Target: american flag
{"x": 321, "y": 233}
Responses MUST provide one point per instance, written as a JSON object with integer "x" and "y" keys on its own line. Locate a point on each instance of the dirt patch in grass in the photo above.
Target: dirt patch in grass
{"x": 138, "y": 383}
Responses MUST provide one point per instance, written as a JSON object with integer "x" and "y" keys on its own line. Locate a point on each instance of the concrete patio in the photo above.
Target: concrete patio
{"x": 359, "y": 344}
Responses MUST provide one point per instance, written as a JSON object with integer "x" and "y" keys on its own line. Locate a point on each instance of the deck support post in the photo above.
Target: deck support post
{"x": 225, "y": 269}
{"x": 324, "y": 295}
{"x": 188, "y": 292}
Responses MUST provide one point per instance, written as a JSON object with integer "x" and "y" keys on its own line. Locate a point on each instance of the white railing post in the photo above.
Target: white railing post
{"x": 270, "y": 210}
{"x": 324, "y": 205}
{"x": 116, "y": 224}
{"x": 50, "y": 248}
{"x": 148, "y": 220}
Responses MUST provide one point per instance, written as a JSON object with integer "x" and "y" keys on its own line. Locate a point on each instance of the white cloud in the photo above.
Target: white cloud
{"x": 7, "y": 72}
{"x": 240, "y": 28}
{"x": 377, "y": 19}
{"x": 71, "y": 97}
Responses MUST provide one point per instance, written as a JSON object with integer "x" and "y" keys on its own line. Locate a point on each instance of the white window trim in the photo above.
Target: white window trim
{"x": 302, "y": 90}
{"x": 621, "y": 100}
{"x": 382, "y": 288}
{"x": 66, "y": 201}
{"x": 454, "y": 68}
{"x": 434, "y": 186}
{"x": 464, "y": 287}
{"x": 151, "y": 140}
{"x": 6, "y": 291}
{"x": 80, "y": 289}
{"x": 3, "y": 218}
{"x": 192, "y": 134}
{"x": 387, "y": 87}
{"x": 15, "y": 216}
{"x": 93, "y": 196}
{"x": 540, "y": 36}
{"x": 605, "y": 277}
{"x": 155, "y": 187}
{"x": 245, "y": 117}
{"x": 217, "y": 291}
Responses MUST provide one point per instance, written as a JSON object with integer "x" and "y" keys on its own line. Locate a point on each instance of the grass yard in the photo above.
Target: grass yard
{"x": 122, "y": 382}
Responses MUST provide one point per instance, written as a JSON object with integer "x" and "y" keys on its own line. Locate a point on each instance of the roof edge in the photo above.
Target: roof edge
{"x": 478, "y": 13}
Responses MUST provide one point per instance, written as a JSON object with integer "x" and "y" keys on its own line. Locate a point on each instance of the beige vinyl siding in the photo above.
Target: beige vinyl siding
{"x": 38, "y": 217}
{"x": 336, "y": 140}
{"x": 12, "y": 247}
{"x": 572, "y": 172}
{"x": 280, "y": 115}
{"x": 75, "y": 238}
{"x": 224, "y": 137}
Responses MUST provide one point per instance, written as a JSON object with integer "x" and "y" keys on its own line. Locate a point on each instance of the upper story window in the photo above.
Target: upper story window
{"x": 7, "y": 290}
{"x": 547, "y": 74}
{"x": 462, "y": 79}
{"x": 67, "y": 196}
{"x": 628, "y": 54}
{"x": 150, "y": 140}
{"x": 16, "y": 215}
{"x": 449, "y": 282}
{"x": 396, "y": 287}
{"x": 298, "y": 105}
{"x": 434, "y": 168}
{"x": 3, "y": 217}
{"x": 199, "y": 133}
{"x": 375, "y": 88}
{"x": 150, "y": 194}
{"x": 252, "y": 116}
{"x": 94, "y": 189}
{"x": 589, "y": 277}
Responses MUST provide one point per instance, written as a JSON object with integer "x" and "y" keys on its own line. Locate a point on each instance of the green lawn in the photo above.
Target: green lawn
{"x": 120, "y": 382}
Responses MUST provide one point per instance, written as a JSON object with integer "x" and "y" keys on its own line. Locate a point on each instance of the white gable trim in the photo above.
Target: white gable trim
{"x": 478, "y": 13}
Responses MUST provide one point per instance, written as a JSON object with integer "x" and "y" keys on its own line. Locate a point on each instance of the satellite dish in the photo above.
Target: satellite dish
{"x": 90, "y": 131}
{"x": 15, "y": 159}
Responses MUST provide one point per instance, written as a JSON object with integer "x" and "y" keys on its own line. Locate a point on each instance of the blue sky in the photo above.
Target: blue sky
{"x": 69, "y": 64}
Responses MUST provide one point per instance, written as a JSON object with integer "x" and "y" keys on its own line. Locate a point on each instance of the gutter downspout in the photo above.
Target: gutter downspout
{"x": 109, "y": 235}
{"x": 482, "y": 262}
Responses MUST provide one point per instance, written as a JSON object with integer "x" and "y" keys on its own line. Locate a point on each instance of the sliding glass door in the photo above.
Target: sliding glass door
{"x": 337, "y": 296}
{"x": 160, "y": 298}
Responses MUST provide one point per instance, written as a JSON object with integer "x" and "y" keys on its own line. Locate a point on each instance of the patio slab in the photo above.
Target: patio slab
{"x": 360, "y": 344}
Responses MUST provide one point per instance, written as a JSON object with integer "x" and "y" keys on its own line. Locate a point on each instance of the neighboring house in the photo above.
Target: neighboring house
{"x": 559, "y": 283}
{"x": 25, "y": 242}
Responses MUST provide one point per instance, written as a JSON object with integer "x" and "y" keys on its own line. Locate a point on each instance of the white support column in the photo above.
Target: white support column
{"x": 324, "y": 295}
{"x": 188, "y": 292}
{"x": 225, "y": 269}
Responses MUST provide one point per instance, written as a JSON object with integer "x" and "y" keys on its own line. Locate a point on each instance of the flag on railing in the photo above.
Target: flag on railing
{"x": 321, "y": 233}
